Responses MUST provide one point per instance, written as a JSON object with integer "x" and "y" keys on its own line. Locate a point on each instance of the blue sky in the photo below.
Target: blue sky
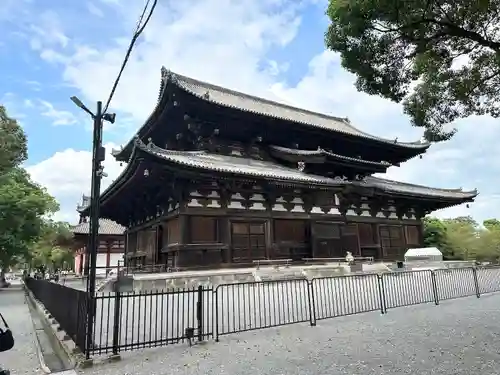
{"x": 53, "y": 49}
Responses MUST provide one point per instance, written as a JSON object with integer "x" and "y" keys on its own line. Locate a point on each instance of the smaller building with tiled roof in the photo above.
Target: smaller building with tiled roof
{"x": 111, "y": 242}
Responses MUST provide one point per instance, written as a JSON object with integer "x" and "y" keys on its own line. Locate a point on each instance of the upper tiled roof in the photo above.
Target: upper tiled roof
{"x": 266, "y": 169}
{"x": 106, "y": 227}
{"x": 248, "y": 103}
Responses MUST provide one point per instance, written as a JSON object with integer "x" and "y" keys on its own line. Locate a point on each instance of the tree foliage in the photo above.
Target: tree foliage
{"x": 53, "y": 248}
{"x": 440, "y": 57}
{"x": 23, "y": 203}
{"x": 462, "y": 238}
{"x": 13, "y": 144}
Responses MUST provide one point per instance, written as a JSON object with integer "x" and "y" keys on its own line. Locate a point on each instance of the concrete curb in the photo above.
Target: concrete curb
{"x": 58, "y": 337}
{"x": 39, "y": 352}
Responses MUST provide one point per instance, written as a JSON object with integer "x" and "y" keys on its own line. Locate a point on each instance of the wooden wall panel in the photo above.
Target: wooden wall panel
{"x": 203, "y": 229}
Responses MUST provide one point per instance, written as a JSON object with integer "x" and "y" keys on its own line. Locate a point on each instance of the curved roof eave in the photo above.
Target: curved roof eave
{"x": 127, "y": 172}
{"x": 261, "y": 169}
{"x": 261, "y": 106}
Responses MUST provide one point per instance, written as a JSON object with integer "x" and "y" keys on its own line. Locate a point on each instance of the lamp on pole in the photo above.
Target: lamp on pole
{"x": 98, "y": 156}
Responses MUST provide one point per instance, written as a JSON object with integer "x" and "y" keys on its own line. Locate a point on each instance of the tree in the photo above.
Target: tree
{"x": 23, "y": 203}
{"x": 13, "y": 144}
{"x": 492, "y": 225}
{"x": 53, "y": 246}
{"x": 440, "y": 57}
{"x": 462, "y": 236}
{"x": 434, "y": 233}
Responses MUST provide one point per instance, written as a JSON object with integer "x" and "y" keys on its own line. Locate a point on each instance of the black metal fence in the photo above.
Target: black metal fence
{"x": 128, "y": 321}
{"x": 67, "y": 306}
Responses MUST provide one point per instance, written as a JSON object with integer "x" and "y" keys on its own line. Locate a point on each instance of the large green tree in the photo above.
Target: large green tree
{"x": 53, "y": 248}
{"x": 463, "y": 232}
{"x": 440, "y": 57}
{"x": 23, "y": 203}
{"x": 13, "y": 145}
{"x": 436, "y": 235}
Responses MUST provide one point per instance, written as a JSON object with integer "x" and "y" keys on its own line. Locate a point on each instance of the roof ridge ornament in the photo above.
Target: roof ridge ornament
{"x": 301, "y": 166}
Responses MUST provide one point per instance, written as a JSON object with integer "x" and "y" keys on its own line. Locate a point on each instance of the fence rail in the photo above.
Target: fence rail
{"x": 128, "y": 321}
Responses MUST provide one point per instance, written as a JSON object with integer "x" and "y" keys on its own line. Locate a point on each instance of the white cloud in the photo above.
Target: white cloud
{"x": 48, "y": 31}
{"x": 228, "y": 42}
{"x": 58, "y": 117}
{"x": 66, "y": 174}
{"x": 93, "y": 9}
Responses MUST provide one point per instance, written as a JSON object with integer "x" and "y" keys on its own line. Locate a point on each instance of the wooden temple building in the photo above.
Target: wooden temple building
{"x": 218, "y": 178}
{"x": 111, "y": 239}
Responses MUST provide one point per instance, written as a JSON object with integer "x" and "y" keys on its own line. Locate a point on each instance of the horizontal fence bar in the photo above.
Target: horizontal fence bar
{"x": 144, "y": 319}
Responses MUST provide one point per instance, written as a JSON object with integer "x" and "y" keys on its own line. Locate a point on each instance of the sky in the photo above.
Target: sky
{"x": 53, "y": 49}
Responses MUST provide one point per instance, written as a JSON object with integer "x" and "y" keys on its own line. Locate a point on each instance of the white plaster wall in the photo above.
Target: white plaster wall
{"x": 101, "y": 262}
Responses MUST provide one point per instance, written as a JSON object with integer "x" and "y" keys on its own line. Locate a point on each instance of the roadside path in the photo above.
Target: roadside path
{"x": 23, "y": 358}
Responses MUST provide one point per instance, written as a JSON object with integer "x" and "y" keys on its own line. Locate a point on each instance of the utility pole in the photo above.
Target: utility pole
{"x": 98, "y": 156}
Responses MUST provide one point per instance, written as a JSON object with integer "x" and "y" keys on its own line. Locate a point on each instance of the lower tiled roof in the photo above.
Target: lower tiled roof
{"x": 267, "y": 169}
{"x": 106, "y": 227}
{"x": 321, "y": 152}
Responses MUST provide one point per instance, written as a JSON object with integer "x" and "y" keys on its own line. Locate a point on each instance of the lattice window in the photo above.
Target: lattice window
{"x": 392, "y": 240}
{"x": 248, "y": 240}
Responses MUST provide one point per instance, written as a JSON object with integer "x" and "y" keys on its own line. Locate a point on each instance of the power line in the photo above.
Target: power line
{"x": 138, "y": 31}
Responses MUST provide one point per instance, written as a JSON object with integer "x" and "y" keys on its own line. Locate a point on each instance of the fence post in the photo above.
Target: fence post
{"x": 199, "y": 312}
{"x": 216, "y": 317}
{"x": 476, "y": 282}
{"x": 434, "y": 288}
{"x": 88, "y": 334}
{"x": 116, "y": 323}
{"x": 311, "y": 299}
{"x": 381, "y": 293}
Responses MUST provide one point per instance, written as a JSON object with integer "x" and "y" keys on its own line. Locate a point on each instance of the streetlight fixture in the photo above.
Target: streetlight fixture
{"x": 98, "y": 156}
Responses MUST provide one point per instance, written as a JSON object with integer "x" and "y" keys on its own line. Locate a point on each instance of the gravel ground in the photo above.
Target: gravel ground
{"x": 22, "y": 359}
{"x": 460, "y": 336}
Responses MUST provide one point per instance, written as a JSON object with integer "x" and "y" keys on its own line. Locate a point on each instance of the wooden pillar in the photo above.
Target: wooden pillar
{"x": 125, "y": 250}
{"x": 270, "y": 239}
{"x": 225, "y": 238}
{"x": 182, "y": 259}
{"x": 421, "y": 234}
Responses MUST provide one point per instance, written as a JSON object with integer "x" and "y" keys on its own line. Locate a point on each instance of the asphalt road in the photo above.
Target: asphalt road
{"x": 458, "y": 337}
{"x": 22, "y": 359}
